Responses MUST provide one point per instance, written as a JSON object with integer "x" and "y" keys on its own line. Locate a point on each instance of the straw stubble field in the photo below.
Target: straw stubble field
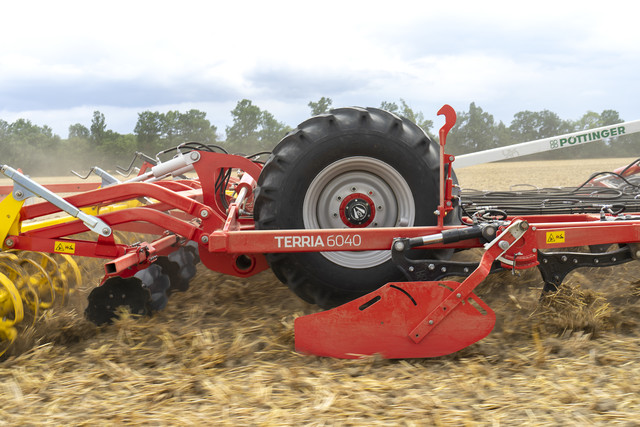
{"x": 222, "y": 354}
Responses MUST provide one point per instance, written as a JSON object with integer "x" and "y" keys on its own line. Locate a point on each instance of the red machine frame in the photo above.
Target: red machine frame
{"x": 185, "y": 210}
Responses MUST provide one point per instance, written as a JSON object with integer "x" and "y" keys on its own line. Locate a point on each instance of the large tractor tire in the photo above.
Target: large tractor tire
{"x": 353, "y": 167}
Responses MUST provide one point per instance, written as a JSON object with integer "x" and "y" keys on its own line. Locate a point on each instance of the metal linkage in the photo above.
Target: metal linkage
{"x": 427, "y": 270}
{"x": 33, "y": 188}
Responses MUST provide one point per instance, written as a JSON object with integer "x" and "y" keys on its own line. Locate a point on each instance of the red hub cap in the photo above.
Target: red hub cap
{"x": 357, "y": 210}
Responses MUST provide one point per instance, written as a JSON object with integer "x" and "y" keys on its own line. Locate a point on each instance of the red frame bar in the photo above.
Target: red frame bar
{"x": 577, "y": 233}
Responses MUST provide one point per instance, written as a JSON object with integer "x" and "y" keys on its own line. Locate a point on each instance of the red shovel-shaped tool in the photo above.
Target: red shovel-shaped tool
{"x": 408, "y": 319}
{"x": 382, "y": 322}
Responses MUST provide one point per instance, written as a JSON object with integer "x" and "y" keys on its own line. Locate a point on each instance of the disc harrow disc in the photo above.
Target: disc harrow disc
{"x": 117, "y": 292}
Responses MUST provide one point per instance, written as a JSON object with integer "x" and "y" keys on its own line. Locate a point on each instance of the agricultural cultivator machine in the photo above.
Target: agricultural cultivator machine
{"x": 357, "y": 211}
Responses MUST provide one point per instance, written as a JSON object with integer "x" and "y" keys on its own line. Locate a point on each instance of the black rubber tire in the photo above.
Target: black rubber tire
{"x": 306, "y": 152}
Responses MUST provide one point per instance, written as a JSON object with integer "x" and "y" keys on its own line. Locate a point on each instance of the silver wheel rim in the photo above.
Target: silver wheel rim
{"x": 385, "y": 187}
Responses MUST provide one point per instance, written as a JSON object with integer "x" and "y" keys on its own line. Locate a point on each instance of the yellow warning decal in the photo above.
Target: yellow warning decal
{"x": 555, "y": 236}
{"x": 65, "y": 247}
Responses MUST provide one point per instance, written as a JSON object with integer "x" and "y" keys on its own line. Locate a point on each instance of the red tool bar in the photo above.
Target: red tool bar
{"x": 67, "y": 246}
{"x": 559, "y": 235}
{"x": 139, "y": 255}
{"x": 339, "y": 239}
{"x": 547, "y": 236}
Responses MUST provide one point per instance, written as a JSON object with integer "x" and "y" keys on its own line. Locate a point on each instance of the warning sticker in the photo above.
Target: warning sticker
{"x": 555, "y": 236}
{"x": 65, "y": 247}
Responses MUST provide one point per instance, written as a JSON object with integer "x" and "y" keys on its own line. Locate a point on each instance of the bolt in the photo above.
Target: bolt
{"x": 194, "y": 155}
{"x": 451, "y": 158}
{"x": 443, "y": 269}
{"x": 503, "y": 244}
{"x": 458, "y": 295}
{"x": 18, "y": 194}
{"x": 204, "y": 239}
{"x": 111, "y": 296}
{"x": 534, "y": 228}
{"x": 563, "y": 259}
{"x": 466, "y": 269}
{"x": 431, "y": 267}
{"x": 544, "y": 260}
{"x": 105, "y": 231}
{"x": 448, "y": 202}
{"x": 411, "y": 268}
{"x": 637, "y": 254}
{"x": 398, "y": 246}
{"x": 534, "y": 250}
{"x": 9, "y": 242}
{"x": 431, "y": 322}
{"x": 524, "y": 225}
{"x": 204, "y": 213}
{"x": 575, "y": 260}
{"x": 436, "y": 213}
{"x": 614, "y": 259}
{"x": 595, "y": 261}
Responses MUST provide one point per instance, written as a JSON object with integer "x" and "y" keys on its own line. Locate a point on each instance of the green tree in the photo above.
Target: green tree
{"x": 29, "y": 146}
{"x": 407, "y": 112}
{"x": 323, "y": 105}
{"x": 530, "y": 126}
{"x": 157, "y": 131}
{"x": 624, "y": 145}
{"x": 475, "y": 130}
{"x": 271, "y": 131}
{"x": 98, "y": 128}
{"x": 194, "y": 126}
{"x": 148, "y": 131}
{"x": 79, "y": 131}
{"x": 610, "y": 117}
{"x": 253, "y": 129}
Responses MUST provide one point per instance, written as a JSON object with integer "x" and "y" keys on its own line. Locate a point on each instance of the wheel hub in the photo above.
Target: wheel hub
{"x": 358, "y": 192}
{"x": 357, "y": 210}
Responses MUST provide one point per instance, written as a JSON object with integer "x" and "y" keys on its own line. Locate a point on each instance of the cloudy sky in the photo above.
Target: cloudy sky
{"x": 61, "y": 60}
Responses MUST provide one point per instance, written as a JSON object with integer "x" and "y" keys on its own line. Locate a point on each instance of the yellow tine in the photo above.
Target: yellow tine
{"x": 14, "y": 296}
{"x": 41, "y": 280}
{"x": 21, "y": 281}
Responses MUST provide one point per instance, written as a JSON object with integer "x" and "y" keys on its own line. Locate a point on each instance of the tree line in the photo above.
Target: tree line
{"x": 38, "y": 151}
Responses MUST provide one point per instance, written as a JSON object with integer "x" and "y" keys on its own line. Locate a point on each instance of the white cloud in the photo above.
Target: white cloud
{"x": 59, "y": 61}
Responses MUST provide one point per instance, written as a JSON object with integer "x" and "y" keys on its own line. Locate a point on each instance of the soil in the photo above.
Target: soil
{"x": 222, "y": 353}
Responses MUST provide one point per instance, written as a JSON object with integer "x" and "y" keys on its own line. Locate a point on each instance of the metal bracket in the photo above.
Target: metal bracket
{"x": 429, "y": 270}
{"x": 34, "y": 189}
{"x": 554, "y": 266}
